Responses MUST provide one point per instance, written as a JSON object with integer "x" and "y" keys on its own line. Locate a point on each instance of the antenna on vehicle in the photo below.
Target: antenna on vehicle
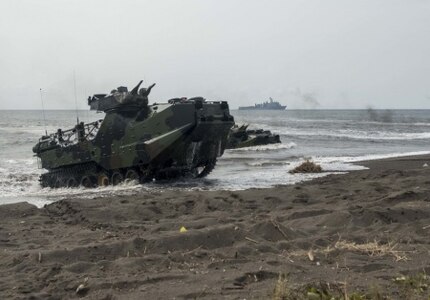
{"x": 43, "y": 110}
{"x": 76, "y": 99}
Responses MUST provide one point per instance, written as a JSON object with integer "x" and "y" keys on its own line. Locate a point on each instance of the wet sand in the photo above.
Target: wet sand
{"x": 361, "y": 229}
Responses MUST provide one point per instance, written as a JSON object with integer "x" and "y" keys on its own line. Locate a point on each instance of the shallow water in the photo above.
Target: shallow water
{"x": 333, "y": 138}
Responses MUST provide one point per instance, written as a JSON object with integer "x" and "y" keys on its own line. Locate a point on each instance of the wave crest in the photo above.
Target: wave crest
{"x": 271, "y": 147}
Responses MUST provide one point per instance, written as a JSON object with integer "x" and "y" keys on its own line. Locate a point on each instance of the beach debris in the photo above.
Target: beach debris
{"x": 282, "y": 289}
{"x": 373, "y": 249}
{"x": 191, "y": 251}
{"x": 40, "y": 257}
{"x": 183, "y": 229}
{"x": 425, "y": 165}
{"x": 108, "y": 235}
{"x": 251, "y": 240}
{"x": 278, "y": 227}
{"x": 311, "y": 255}
{"x": 307, "y": 166}
{"x": 82, "y": 288}
{"x": 419, "y": 282}
{"x": 313, "y": 295}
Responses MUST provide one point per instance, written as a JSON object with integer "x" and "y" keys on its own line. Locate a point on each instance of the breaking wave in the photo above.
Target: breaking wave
{"x": 336, "y": 141}
{"x": 357, "y": 135}
{"x": 271, "y": 147}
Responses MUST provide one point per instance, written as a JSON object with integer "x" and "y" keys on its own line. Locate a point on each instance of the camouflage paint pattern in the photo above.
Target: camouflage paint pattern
{"x": 185, "y": 134}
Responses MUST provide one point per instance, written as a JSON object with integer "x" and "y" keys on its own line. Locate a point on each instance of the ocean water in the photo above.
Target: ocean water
{"x": 333, "y": 138}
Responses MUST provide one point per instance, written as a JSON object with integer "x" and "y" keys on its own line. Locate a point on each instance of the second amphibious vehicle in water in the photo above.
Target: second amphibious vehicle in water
{"x": 241, "y": 137}
{"x": 136, "y": 141}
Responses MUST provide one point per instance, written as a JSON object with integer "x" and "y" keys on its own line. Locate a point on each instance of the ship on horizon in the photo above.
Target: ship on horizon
{"x": 268, "y": 105}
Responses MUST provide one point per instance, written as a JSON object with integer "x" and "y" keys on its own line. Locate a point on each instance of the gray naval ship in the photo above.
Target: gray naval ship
{"x": 268, "y": 105}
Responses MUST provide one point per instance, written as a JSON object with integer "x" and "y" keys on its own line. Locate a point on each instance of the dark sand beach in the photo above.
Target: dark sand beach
{"x": 363, "y": 230}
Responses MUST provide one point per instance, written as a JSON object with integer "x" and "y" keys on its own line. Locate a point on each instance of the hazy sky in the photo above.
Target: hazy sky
{"x": 304, "y": 53}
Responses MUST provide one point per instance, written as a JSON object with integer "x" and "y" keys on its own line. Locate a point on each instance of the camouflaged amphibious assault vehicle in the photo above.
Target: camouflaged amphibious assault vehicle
{"x": 241, "y": 136}
{"x": 136, "y": 141}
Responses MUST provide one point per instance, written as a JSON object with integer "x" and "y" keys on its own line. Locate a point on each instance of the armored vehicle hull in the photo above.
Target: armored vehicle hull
{"x": 240, "y": 137}
{"x": 136, "y": 141}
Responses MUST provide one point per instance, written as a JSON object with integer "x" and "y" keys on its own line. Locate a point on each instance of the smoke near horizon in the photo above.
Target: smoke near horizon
{"x": 331, "y": 54}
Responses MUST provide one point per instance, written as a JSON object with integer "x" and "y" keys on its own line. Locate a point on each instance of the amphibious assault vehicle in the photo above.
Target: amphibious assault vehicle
{"x": 136, "y": 141}
{"x": 241, "y": 136}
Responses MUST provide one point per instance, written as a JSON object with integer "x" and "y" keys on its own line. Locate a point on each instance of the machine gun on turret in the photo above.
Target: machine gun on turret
{"x": 136, "y": 88}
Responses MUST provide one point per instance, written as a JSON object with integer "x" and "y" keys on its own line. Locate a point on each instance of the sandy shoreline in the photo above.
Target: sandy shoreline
{"x": 364, "y": 228}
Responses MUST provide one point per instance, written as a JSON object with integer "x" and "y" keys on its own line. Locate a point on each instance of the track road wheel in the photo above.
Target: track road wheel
{"x": 58, "y": 183}
{"x": 103, "y": 180}
{"x": 145, "y": 174}
{"x": 132, "y": 175}
{"x": 71, "y": 182}
{"x": 43, "y": 183}
{"x": 87, "y": 182}
{"x": 117, "y": 178}
{"x": 47, "y": 180}
{"x": 204, "y": 170}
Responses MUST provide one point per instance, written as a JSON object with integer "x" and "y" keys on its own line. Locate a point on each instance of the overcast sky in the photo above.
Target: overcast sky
{"x": 304, "y": 53}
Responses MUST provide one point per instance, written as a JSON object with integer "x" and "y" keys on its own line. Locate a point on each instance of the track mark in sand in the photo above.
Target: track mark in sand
{"x": 208, "y": 238}
{"x": 66, "y": 212}
{"x": 80, "y": 267}
{"x": 128, "y": 284}
{"x": 308, "y": 213}
{"x": 6, "y": 243}
{"x": 198, "y": 295}
{"x": 370, "y": 267}
{"x": 251, "y": 204}
{"x": 226, "y": 262}
{"x": 273, "y": 231}
{"x": 252, "y": 277}
{"x": 155, "y": 210}
{"x": 301, "y": 198}
{"x": 234, "y": 195}
{"x": 396, "y": 215}
{"x": 274, "y": 263}
{"x": 403, "y": 196}
{"x": 273, "y": 200}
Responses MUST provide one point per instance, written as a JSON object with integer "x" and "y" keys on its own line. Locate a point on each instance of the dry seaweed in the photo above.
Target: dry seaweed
{"x": 307, "y": 167}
